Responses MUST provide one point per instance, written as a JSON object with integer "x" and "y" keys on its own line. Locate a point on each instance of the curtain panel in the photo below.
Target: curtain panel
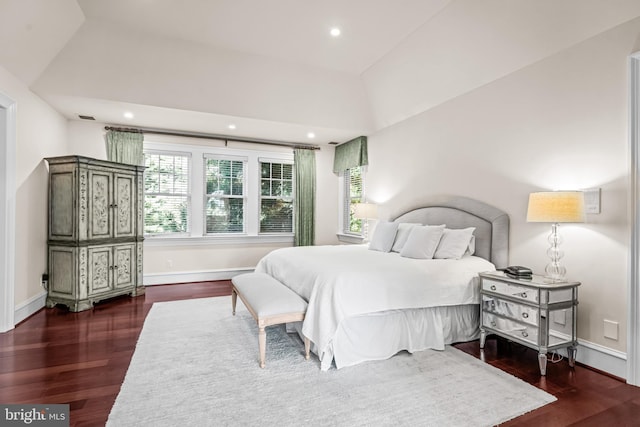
{"x": 350, "y": 155}
{"x": 125, "y": 147}
{"x": 305, "y": 200}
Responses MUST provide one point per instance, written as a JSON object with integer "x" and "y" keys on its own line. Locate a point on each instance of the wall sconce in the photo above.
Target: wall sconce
{"x": 556, "y": 207}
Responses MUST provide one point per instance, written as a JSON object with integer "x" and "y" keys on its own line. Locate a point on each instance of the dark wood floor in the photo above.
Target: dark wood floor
{"x": 81, "y": 359}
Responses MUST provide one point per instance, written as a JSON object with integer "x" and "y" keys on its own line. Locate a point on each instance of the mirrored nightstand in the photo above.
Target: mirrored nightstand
{"x": 539, "y": 313}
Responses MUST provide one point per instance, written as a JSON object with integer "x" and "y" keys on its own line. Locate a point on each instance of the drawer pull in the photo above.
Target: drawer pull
{"x": 525, "y": 315}
{"x": 525, "y": 334}
{"x": 493, "y": 323}
{"x": 493, "y": 287}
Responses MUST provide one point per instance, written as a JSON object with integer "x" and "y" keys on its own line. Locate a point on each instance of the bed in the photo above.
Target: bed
{"x": 369, "y": 304}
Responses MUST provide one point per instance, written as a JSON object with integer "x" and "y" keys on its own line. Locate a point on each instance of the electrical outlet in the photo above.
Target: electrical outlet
{"x": 169, "y": 263}
{"x": 610, "y": 329}
{"x": 591, "y": 200}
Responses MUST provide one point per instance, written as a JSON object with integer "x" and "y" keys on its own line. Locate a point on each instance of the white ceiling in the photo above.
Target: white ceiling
{"x": 270, "y": 66}
{"x": 290, "y": 30}
{"x": 55, "y": 48}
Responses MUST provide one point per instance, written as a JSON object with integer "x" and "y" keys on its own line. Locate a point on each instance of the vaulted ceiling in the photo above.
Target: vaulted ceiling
{"x": 271, "y": 68}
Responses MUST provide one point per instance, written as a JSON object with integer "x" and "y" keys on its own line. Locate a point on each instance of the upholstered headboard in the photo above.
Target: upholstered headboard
{"x": 492, "y": 224}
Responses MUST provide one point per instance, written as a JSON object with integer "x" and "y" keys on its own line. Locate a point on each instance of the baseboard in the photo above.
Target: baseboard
{"x": 602, "y": 358}
{"x": 29, "y": 307}
{"x": 193, "y": 276}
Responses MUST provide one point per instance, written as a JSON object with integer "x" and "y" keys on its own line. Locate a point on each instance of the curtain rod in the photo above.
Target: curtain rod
{"x": 224, "y": 138}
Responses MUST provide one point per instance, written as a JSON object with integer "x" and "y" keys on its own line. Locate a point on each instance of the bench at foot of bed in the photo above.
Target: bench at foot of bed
{"x": 270, "y": 303}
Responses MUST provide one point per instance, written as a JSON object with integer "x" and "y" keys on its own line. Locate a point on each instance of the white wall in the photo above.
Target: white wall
{"x": 471, "y": 43}
{"x": 560, "y": 123}
{"x": 40, "y": 132}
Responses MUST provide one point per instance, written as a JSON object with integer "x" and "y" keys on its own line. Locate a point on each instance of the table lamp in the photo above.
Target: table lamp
{"x": 556, "y": 207}
{"x": 365, "y": 212}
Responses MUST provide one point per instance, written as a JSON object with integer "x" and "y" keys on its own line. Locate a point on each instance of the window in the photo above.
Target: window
{"x": 353, "y": 193}
{"x": 207, "y": 194}
{"x": 167, "y": 199}
{"x": 224, "y": 192}
{"x": 276, "y": 197}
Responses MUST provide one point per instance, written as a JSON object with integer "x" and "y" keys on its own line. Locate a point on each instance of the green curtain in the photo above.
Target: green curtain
{"x": 350, "y": 154}
{"x": 125, "y": 147}
{"x": 305, "y": 201}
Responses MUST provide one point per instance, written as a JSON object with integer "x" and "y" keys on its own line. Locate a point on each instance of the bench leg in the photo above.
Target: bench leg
{"x": 234, "y": 299}
{"x": 307, "y": 345}
{"x": 262, "y": 343}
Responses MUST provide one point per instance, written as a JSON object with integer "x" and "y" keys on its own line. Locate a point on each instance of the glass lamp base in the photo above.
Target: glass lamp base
{"x": 554, "y": 270}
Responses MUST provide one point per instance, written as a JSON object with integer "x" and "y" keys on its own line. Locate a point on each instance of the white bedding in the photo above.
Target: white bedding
{"x": 344, "y": 281}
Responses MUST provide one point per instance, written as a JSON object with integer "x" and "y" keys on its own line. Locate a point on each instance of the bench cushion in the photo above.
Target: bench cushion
{"x": 267, "y": 296}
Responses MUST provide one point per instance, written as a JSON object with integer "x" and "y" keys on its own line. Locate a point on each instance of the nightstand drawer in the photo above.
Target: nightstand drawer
{"x": 510, "y": 328}
{"x": 513, "y": 310}
{"x": 510, "y": 290}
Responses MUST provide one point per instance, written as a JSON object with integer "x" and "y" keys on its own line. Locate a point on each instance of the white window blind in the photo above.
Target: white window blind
{"x": 276, "y": 197}
{"x": 167, "y": 200}
{"x": 353, "y": 193}
{"x": 224, "y": 209}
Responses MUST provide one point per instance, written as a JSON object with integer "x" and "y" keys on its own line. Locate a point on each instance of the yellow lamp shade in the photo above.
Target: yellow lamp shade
{"x": 365, "y": 211}
{"x": 556, "y": 206}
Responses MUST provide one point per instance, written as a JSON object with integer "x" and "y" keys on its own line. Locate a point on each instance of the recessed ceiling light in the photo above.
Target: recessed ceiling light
{"x": 335, "y": 31}
{"x": 231, "y": 126}
{"x": 311, "y": 135}
{"x": 128, "y": 115}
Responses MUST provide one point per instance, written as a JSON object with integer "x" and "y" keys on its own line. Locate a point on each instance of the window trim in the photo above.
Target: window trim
{"x": 188, "y": 194}
{"x": 197, "y": 235}
{"x": 244, "y": 197}
{"x": 343, "y": 235}
{"x": 260, "y": 196}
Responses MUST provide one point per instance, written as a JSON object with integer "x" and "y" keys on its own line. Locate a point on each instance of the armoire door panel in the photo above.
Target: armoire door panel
{"x": 61, "y": 199}
{"x": 124, "y": 206}
{"x": 100, "y": 206}
{"x": 100, "y": 269}
{"x": 124, "y": 265}
{"x": 62, "y": 270}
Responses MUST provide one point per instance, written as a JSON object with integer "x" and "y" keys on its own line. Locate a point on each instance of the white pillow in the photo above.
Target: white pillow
{"x": 422, "y": 241}
{"x": 454, "y": 243}
{"x": 383, "y": 236}
{"x": 471, "y": 249}
{"x": 401, "y": 237}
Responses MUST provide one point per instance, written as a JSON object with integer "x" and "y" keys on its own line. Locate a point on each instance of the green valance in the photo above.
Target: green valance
{"x": 351, "y": 154}
{"x": 125, "y": 147}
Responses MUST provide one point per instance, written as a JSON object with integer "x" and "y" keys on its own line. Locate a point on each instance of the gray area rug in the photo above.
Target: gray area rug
{"x": 197, "y": 365}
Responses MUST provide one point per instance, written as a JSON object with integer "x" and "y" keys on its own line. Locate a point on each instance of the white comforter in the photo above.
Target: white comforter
{"x": 348, "y": 280}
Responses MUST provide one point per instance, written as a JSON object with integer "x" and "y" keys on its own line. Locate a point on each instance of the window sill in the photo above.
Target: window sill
{"x": 350, "y": 238}
{"x": 242, "y": 239}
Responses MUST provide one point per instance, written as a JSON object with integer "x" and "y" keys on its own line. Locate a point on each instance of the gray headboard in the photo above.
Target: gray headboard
{"x": 492, "y": 224}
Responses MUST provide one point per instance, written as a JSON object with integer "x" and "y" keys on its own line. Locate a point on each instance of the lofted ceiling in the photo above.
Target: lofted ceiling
{"x": 271, "y": 68}
{"x": 52, "y": 41}
{"x": 291, "y": 30}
